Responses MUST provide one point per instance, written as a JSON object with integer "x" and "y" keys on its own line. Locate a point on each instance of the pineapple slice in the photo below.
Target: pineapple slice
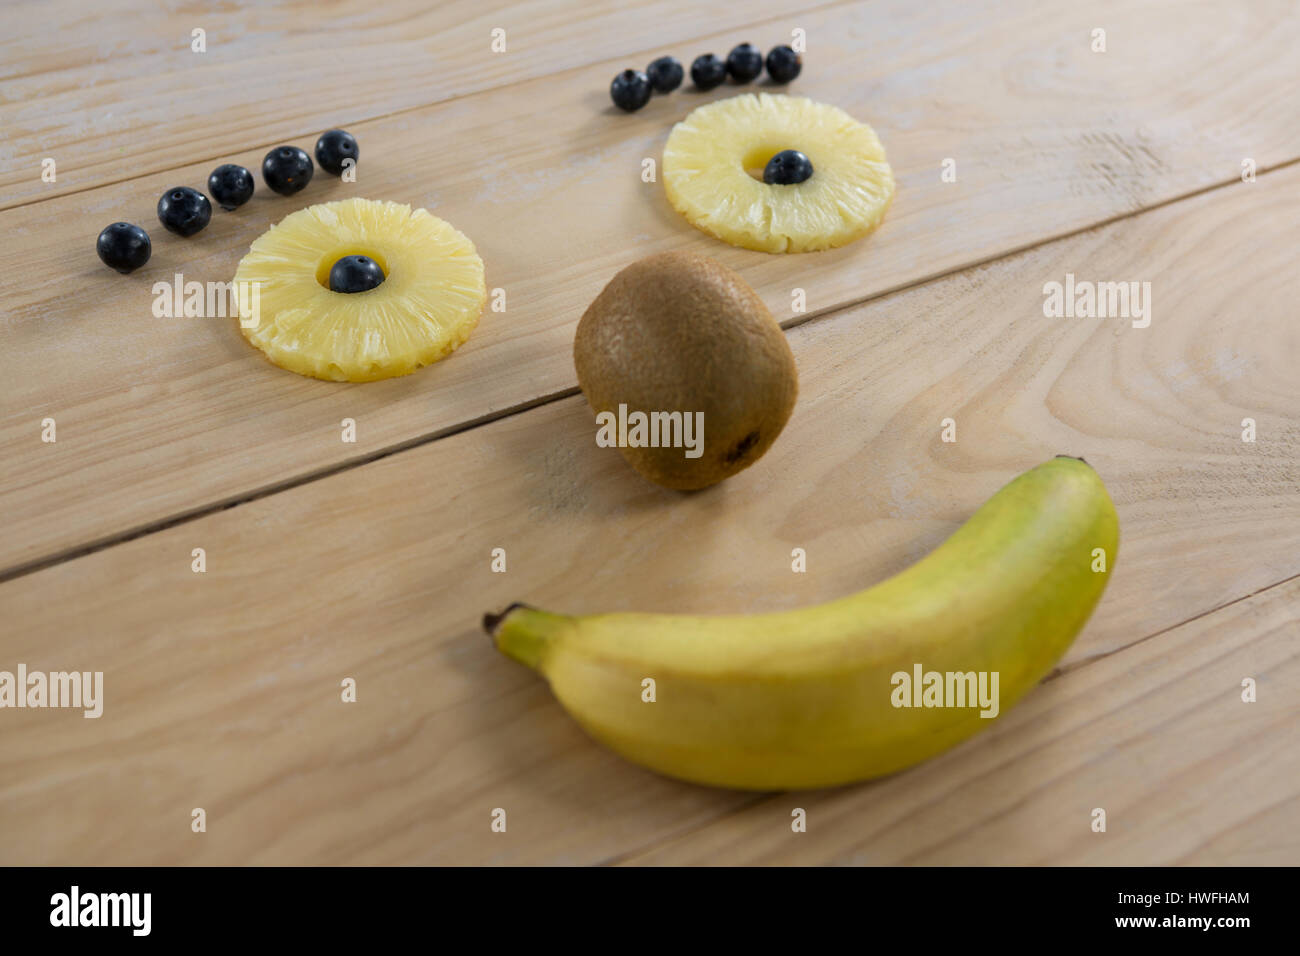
{"x": 709, "y": 154}
{"x": 429, "y": 302}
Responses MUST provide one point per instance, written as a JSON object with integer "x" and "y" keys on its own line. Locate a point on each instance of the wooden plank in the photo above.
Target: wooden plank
{"x": 160, "y": 417}
{"x": 222, "y": 688}
{"x": 112, "y": 93}
{"x": 1156, "y": 735}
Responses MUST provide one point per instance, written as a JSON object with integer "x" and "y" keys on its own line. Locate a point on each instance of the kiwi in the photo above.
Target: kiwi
{"x": 677, "y": 332}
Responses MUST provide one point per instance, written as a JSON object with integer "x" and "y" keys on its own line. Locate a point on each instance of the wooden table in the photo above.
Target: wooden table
{"x": 371, "y": 560}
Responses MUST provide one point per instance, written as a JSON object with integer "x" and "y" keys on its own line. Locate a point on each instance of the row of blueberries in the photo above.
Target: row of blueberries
{"x": 631, "y": 89}
{"x": 287, "y": 170}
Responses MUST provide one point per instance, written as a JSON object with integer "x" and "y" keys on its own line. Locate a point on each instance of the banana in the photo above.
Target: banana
{"x": 841, "y": 691}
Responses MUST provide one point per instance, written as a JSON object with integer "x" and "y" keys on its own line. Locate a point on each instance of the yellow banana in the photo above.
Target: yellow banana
{"x": 829, "y": 694}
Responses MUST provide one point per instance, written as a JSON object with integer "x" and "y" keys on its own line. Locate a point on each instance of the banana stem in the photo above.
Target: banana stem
{"x": 493, "y": 621}
{"x": 524, "y": 633}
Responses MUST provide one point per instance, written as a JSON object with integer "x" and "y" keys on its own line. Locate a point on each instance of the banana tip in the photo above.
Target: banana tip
{"x": 493, "y": 621}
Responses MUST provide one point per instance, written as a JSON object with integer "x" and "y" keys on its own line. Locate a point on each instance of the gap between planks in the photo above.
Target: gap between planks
{"x": 172, "y": 521}
{"x": 1071, "y": 667}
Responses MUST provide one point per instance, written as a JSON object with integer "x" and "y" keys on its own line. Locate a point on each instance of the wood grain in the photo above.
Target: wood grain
{"x": 160, "y": 418}
{"x": 222, "y": 688}
{"x": 113, "y": 92}
{"x": 1156, "y": 735}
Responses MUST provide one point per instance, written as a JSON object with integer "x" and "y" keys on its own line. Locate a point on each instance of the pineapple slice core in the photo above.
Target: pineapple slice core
{"x": 430, "y": 300}
{"x": 713, "y": 173}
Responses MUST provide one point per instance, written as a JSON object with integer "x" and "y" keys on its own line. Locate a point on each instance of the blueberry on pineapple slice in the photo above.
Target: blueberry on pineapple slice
{"x": 708, "y": 71}
{"x": 231, "y": 186}
{"x": 334, "y": 148}
{"x": 355, "y": 274}
{"x": 428, "y": 297}
{"x": 630, "y": 90}
{"x": 709, "y": 155}
{"x": 287, "y": 170}
{"x": 665, "y": 74}
{"x": 787, "y": 168}
{"x": 124, "y": 247}
{"x": 184, "y": 211}
{"x": 745, "y": 62}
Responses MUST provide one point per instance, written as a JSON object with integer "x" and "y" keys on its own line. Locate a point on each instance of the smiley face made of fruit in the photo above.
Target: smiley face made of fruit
{"x": 359, "y": 290}
{"x": 825, "y": 179}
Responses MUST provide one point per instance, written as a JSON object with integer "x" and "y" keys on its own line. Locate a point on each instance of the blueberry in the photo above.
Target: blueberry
{"x": 665, "y": 74}
{"x": 184, "y": 211}
{"x": 287, "y": 170}
{"x": 123, "y": 247}
{"x": 230, "y": 186}
{"x": 708, "y": 71}
{"x": 745, "y": 62}
{"x": 783, "y": 64}
{"x": 355, "y": 274}
{"x": 787, "y": 168}
{"x": 630, "y": 90}
{"x": 333, "y": 147}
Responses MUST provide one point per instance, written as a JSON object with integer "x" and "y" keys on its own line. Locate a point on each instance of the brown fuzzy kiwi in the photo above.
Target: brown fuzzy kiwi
{"x": 678, "y": 332}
